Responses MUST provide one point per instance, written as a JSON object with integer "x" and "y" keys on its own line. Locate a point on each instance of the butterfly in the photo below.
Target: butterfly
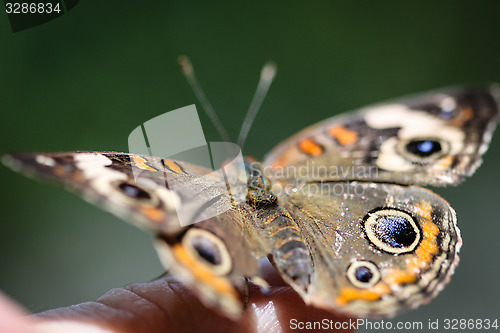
{"x": 339, "y": 208}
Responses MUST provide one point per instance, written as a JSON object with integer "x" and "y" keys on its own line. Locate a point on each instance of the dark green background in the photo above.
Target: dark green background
{"x": 86, "y": 79}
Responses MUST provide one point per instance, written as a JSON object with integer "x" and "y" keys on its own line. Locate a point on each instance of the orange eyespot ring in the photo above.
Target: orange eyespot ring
{"x": 210, "y": 250}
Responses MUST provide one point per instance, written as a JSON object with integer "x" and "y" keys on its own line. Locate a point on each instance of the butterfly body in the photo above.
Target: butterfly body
{"x": 338, "y": 208}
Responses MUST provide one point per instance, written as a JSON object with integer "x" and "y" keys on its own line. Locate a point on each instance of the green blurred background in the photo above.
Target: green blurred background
{"x": 85, "y": 80}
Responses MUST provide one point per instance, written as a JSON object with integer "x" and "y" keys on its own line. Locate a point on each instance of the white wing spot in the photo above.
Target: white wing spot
{"x": 45, "y": 160}
{"x": 92, "y": 165}
{"x": 448, "y": 104}
{"x": 413, "y": 124}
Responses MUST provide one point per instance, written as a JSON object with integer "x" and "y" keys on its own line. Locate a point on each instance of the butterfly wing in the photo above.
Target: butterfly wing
{"x": 371, "y": 250}
{"x": 366, "y": 248}
{"x": 435, "y": 138}
{"x": 210, "y": 256}
{"x": 359, "y": 237}
{"x": 133, "y": 187}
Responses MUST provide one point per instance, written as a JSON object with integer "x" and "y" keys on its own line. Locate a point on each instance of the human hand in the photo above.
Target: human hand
{"x": 166, "y": 305}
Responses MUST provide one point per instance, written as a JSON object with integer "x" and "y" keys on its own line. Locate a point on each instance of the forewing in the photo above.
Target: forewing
{"x": 211, "y": 256}
{"x": 135, "y": 188}
{"x": 436, "y": 138}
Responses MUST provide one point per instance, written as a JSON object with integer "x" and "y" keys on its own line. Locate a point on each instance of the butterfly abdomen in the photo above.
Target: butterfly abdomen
{"x": 289, "y": 252}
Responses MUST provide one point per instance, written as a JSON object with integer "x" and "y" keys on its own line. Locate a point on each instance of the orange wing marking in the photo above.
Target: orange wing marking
{"x": 203, "y": 274}
{"x": 465, "y": 115}
{"x": 174, "y": 167}
{"x": 153, "y": 213}
{"x": 140, "y": 163}
{"x": 343, "y": 135}
{"x": 310, "y": 147}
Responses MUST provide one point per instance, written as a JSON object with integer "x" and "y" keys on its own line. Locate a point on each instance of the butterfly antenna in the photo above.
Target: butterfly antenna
{"x": 266, "y": 78}
{"x": 188, "y": 71}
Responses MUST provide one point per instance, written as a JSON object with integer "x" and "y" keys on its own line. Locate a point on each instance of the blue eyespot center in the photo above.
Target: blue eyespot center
{"x": 363, "y": 274}
{"x": 395, "y": 231}
{"x": 392, "y": 230}
{"x": 424, "y": 148}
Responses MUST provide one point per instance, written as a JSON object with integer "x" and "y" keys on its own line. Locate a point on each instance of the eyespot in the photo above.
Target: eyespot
{"x": 363, "y": 274}
{"x": 133, "y": 191}
{"x": 209, "y": 249}
{"x": 423, "y": 150}
{"x": 392, "y": 231}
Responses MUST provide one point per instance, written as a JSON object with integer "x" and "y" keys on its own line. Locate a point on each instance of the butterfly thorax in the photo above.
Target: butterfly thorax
{"x": 260, "y": 192}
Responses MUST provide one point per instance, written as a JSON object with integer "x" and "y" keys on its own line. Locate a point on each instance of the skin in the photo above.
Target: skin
{"x": 165, "y": 305}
